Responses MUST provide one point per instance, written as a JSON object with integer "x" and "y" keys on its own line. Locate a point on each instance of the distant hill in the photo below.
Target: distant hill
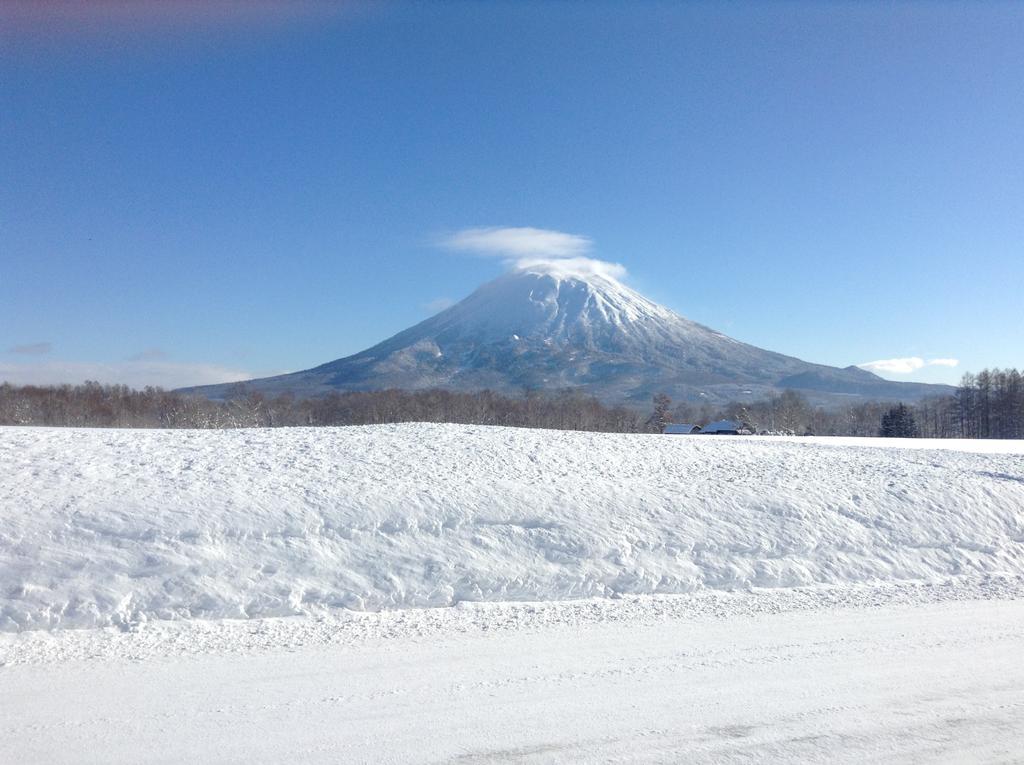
{"x": 550, "y": 326}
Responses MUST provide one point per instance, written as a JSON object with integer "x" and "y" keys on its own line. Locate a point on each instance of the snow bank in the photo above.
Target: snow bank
{"x": 101, "y": 527}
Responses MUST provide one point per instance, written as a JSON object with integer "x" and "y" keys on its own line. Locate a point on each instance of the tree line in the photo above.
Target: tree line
{"x": 117, "y": 406}
{"x": 987, "y": 405}
{"x": 990, "y": 404}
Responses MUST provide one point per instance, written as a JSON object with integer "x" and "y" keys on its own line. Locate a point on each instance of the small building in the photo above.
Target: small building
{"x": 728, "y": 428}
{"x": 681, "y": 428}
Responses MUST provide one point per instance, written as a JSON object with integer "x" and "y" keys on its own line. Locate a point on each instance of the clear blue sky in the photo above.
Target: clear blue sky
{"x": 191, "y": 191}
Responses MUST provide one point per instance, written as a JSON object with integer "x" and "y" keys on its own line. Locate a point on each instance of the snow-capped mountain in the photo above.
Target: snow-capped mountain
{"x": 558, "y": 324}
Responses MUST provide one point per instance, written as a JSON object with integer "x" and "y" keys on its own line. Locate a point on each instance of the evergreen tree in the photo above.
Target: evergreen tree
{"x": 899, "y": 422}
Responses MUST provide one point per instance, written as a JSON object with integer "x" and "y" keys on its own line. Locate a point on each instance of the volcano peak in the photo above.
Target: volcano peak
{"x": 572, "y": 323}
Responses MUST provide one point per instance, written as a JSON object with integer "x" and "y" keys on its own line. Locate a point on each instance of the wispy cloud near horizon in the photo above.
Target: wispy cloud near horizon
{"x": 136, "y": 374}
{"x": 149, "y": 354}
{"x": 906, "y": 365}
{"x": 31, "y": 349}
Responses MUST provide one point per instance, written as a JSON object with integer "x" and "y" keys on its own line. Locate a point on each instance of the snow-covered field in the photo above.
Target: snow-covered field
{"x": 270, "y": 595}
{"x": 114, "y": 527}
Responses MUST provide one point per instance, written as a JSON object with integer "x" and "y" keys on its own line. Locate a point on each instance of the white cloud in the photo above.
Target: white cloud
{"x": 438, "y": 304}
{"x": 534, "y": 249}
{"x": 906, "y": 365}
{"x": 136, "y": 374}
{"x": 902, "y": 366}
{"x": 518, "y": 242}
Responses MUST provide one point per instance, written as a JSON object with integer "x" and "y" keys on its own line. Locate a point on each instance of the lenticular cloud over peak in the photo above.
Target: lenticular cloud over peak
{"x": 535, "y": 250}
{"x": 518, "y": 242}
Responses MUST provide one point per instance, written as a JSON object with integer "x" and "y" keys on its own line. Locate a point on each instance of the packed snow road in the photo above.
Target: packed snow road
{"x": 932, "y": 682}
